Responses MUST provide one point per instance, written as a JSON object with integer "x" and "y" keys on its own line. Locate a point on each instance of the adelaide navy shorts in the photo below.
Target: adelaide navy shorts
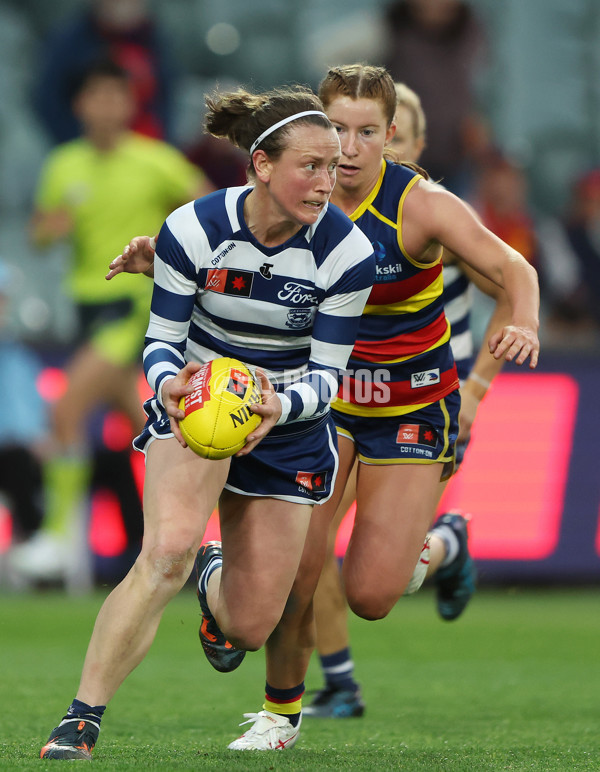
{"x": 426, "y": 436}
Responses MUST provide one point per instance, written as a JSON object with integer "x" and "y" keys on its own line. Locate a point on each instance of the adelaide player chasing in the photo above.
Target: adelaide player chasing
{"x": 404, "y": 330}
{"x": 341, "y": 696}
{"x": 258, "y": 242}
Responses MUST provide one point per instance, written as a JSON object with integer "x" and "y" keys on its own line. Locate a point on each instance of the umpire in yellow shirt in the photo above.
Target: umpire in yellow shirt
{"x": 96, "y": 191}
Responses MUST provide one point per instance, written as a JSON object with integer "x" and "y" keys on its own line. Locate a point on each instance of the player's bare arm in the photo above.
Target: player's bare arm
{"x": 437, "y": 216}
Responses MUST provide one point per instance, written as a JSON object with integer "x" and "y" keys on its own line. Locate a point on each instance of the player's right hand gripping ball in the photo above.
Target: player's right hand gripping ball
{"x": 217, "y": 412}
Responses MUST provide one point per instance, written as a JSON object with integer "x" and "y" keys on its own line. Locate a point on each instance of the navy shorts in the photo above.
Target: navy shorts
{"x": 426, "y": 436}
{"x": 296, "y": 463}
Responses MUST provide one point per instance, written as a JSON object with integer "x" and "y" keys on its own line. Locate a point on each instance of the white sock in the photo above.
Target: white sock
{"x": 447, "y": 535}
{"x": 215, "y": 562}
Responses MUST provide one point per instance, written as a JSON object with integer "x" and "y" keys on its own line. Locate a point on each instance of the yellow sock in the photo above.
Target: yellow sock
{"x": 284, "y": 709}
{"x": 66, "y": 482}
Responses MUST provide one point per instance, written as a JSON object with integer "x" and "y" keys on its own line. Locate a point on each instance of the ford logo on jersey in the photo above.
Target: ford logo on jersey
{"x": 298, "y": 293}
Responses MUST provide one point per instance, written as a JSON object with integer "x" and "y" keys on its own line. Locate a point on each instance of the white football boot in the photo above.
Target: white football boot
{"x": 270, "y": 732}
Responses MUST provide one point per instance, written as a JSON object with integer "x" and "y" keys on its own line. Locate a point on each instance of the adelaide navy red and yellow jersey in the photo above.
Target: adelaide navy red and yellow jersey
{"x": 402, "y": 358}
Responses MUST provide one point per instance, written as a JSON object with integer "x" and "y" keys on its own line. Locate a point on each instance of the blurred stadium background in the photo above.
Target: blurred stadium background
{"x": 533, "y": 485}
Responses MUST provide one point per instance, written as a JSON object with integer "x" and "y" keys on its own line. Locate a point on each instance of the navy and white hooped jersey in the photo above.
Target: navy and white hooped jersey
{"x": 457, "y": 297}
{"x": 292, "y": 310}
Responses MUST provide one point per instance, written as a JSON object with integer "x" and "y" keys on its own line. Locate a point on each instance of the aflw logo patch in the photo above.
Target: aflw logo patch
{"x": 229, "y": 281}
{"x": 426, "y": 378}
{"x": 416, "y": 434}
{"x": 312, "y": 481}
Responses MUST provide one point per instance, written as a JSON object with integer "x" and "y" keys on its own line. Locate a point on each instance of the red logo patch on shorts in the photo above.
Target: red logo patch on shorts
{"x": 416, "y": 434}
{"x": 312, "y": 481}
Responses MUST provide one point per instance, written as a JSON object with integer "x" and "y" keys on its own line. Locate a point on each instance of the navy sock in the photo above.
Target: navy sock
{"x": 338, "y": 669}
{"x": 78, "y": 709}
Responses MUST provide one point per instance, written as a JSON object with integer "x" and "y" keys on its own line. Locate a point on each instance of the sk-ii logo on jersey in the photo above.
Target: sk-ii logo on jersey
{"x": 426, "y": 378}
{"x": 312, "y": 481}
{"x": 229, "y": 281}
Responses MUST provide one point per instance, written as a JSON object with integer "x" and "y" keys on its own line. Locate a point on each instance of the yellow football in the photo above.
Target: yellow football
{"x": 217, "y": 415}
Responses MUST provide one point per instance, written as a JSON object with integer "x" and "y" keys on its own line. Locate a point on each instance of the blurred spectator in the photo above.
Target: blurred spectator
{"x": 97, "y": 191}
{"x": 571, "y": 252}
{"x": 123, "y": 30}
{"x": 437, "y": 48}
{"x": 23, "y": 425}
{"x": 224, "y": 165}
{"x": 501, "y": 199}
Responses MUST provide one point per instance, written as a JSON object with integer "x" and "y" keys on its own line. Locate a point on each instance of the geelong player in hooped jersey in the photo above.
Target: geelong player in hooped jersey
{"x": 291, "y": 309}
{"x": 272, "y": 275}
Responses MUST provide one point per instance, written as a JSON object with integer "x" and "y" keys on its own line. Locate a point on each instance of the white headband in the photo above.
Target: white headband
{"x": 279, "y": 124}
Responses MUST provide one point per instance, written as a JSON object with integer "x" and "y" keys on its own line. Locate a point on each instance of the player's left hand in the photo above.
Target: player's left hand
{"x": 269, "y": 409}
{"x": 173, "y": 390}
{"x": 137, "y": 257}
{"x": 516, "y": 343}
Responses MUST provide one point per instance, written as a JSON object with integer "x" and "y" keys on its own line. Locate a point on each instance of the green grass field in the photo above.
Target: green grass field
{"x": 515, "y": 684}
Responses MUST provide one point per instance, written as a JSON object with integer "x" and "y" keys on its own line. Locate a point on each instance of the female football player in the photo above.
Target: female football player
{"x": 397, "y": 409}
{"x": 270, "y": 275}
{"x": 341, "y": 696}
{"x": 404, "y": 435}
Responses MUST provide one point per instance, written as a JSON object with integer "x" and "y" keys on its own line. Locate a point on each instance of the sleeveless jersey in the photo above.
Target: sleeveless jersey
{"x": 292, "y": 309}
{"x": 402, "y": 359}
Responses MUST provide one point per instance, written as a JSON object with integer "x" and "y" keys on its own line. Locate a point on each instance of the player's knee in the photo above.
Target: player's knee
{"x": 249, "y": 628}
{"x": 250, "y": 635}
{"x": 371, "y": 603}
{"x": 167, "y": 566}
